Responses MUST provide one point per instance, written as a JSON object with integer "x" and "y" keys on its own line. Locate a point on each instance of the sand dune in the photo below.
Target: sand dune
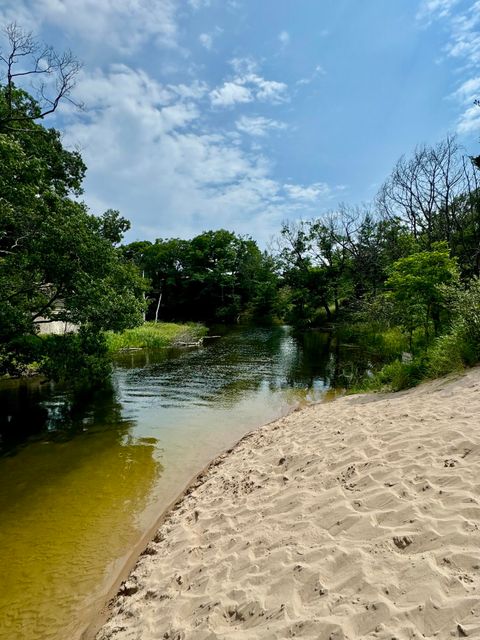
{"x": 353, "y": 519}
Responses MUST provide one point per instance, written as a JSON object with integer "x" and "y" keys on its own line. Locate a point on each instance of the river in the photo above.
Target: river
{"x": 79, "y": 490}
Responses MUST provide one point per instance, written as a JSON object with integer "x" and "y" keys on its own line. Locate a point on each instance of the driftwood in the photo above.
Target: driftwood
{"x": 189, "y": 344}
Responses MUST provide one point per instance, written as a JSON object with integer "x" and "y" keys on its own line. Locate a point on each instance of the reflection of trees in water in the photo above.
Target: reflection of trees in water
{"x": 244, "y": 361}
{"x": 224, "y": 372}
{"x": 31, "y": 409}
{"x": 312, "y": 355}
{"x": 321, "y": 357}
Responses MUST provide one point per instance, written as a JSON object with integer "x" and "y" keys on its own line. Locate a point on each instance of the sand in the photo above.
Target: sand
{"x": 358, "y": 518}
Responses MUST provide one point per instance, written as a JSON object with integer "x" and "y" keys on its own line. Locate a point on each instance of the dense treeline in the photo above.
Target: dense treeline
{"x": 215, "y": 277}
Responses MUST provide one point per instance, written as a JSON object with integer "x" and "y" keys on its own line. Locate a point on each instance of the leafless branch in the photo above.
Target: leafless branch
{"x": 28, "y": 58}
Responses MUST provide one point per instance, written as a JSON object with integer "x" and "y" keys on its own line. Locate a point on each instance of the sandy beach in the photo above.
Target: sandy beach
{"x": 358, "y": 518}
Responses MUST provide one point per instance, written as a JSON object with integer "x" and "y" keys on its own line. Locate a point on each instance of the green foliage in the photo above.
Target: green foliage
{"x": 459, "y": 347}
{"x": 402, "y": 375}
{"x": 79, "y": 360}
{"x": 465, "y": 308}
{"x": 414, "y": 284}
{"x": 394, "y": 376}
{"x": 385, "y": 343}
{"x": 447, "y": 354}
{"x": 57, "y": 261}
{"x": 155, "y": 335}
{"x": 216, "y": 276}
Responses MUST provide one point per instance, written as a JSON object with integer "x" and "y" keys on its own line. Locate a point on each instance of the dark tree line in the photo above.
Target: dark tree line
{"x": 216, "y": 276}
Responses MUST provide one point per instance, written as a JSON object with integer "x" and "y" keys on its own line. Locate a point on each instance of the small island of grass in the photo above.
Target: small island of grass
{"x": 156, "y": 335}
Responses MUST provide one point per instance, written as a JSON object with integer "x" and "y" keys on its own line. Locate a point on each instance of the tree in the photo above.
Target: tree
{"x": 414, "y": 284}
{"x": 425, "y": 190}
{"x": 52, "y": 77}
{"x": 57, "y": 262}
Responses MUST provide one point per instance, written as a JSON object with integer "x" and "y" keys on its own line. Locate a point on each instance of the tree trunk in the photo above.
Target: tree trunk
{"x": 143, "y": 294}
{"x": 327, "y": 310}
{"x": 436, "y": 319}
{"x": 158, "y": 306}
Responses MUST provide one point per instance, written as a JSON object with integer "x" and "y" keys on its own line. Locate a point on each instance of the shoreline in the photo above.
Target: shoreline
{"x": 145, "y": 567}
{"x": 90, "y": 630}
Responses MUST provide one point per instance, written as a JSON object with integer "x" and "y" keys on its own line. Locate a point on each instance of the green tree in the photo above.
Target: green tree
{"x": 414, "y": 283}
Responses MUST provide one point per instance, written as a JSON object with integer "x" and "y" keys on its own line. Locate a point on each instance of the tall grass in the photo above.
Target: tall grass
{"x": 155, "y": 335}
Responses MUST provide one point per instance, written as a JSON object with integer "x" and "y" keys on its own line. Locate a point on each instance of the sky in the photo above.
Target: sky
{"x": 241, "y": 114}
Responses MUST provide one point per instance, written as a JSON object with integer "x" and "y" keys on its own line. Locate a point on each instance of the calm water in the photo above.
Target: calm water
{"x": 79, "y": 489}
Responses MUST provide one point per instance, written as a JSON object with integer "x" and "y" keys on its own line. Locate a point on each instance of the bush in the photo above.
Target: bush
{"x": 447, "y": 354}
{"x": 402, "y": 375}
{"x": 394, "y": 376}
{"x": 466, "y": 319}
{"x": 79, "y": 360}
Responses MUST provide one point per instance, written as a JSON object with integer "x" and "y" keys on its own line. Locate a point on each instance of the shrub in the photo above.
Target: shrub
{"x": 447, "y": 354}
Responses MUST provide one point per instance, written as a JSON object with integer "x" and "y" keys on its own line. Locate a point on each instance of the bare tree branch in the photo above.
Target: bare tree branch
{"x": 25, "y": 58}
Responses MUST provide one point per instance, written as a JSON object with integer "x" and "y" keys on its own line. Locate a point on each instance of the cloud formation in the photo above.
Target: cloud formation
{"x": 247, "y": 87}
{"x": 124, "y": 26}
{"x": 432, "y": 9}
{"x": 258, "y": 125}
{"x": 178, "y": 173}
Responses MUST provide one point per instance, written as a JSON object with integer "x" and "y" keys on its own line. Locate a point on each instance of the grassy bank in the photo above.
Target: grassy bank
{"x": 155, "y": 335}
{"x": 403, "y": 369}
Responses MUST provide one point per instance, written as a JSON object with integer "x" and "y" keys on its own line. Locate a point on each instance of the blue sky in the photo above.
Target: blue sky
{"x": 202, "y": 114}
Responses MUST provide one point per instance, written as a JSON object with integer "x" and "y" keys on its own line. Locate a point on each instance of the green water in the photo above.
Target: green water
{"x": 78, "y": 494}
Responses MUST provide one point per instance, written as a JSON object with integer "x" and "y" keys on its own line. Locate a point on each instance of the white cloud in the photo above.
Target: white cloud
{"x": 229, "y": 94}
{"x": 465, "y": 36}
{"x": 433, "y": 9}
{"x": 243, "y": 66}
{"x": 151, "y": 154}
{"x": 258, "y": 125}
{"x": 318, "y": 71}
{"x": 469, "y": 90}
{"x": 194, "y": 91}
{"x": 463, "y": 45}
{"x": 469, "y": 121}
{"x": 267, "y": 90}
{"x": 309, "y": 193}
{"x": 247, "y": 86}
{"x": 206, "y": 39}
{"x": 124, "y": 26}
{"x": 284, "y": 38}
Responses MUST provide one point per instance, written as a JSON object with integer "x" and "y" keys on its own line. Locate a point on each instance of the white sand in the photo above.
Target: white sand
{"x": 354, "y": 519}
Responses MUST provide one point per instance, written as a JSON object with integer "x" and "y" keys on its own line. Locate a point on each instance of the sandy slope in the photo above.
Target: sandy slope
{"x": 354, "y": 519}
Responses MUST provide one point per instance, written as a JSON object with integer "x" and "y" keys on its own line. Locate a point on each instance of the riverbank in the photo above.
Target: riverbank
{"x": 355, "y": 519}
